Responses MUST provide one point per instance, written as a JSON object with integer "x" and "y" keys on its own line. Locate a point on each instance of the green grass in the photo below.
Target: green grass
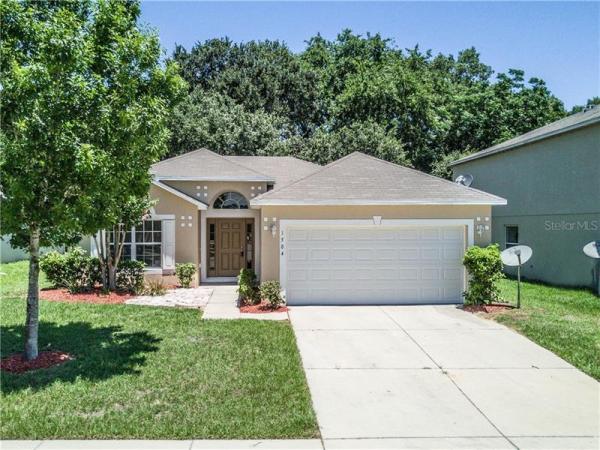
{"x": 142, "y": 372}
{"x": 14, "y": 283}
{"x": 565, "y": 321}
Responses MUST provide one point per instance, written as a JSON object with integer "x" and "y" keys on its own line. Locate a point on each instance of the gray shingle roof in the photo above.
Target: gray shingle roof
{"x": 284, "y": 169}
{"x": 360, "y": 179}
{"x": 569, "y": 123}
{"x": 203, "y": 164}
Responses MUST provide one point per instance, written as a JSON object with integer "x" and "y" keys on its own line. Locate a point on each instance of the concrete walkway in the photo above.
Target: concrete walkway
{"x": 184, "y": 298}
{"x": 438, "y": 377}
{"x": 222, "y": 304}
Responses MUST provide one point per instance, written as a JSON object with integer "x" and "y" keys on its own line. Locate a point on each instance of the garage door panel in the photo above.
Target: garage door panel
{"x": 408, "y": 274}
{"x": 320, "y": 235}
{"x": 430, "y": 234}
{"x": 298, "y": 254}
{"x": 319, "y": 254}
{"x": 342, "y": 254}
{"x": 430, "y": 253}
{"x": 387, "y": 265}
{"x": 452, "y": 274}
{"x": 453, "y": 234}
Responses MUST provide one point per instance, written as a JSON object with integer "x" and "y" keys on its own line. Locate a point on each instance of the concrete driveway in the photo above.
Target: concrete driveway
{"x": 438, "y": 377}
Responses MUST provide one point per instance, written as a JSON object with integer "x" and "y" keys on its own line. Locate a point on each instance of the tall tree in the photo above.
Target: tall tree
{"x": 592, "y": 102}
{"x": 84, "y": 106}
{"x": 433, "y": 107}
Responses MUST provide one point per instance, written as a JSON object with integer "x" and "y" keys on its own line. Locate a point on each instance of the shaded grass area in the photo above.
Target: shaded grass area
{"x": 563, "y": 320}
{"x": 154, "y": 373}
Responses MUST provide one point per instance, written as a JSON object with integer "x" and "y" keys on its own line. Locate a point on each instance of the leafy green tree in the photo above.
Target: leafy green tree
{"x": 325, "y": 146}
{"x": 260, "y": 76}
{"x": 432, "y": 106}
{"x": 594, "y": 101}
{"x": 217, "y": 122}
{"x": 441, "y": 167}
{"x": 84, "y": 105}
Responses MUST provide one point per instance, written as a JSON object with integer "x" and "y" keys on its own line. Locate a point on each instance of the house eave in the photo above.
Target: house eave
{"x": 213, "y": 178}
{"x": 346, "y": 202}
{"x": 490, "y": 151}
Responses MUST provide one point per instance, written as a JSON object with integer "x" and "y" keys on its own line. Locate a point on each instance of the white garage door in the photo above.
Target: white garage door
{"x": 368, "y": 264}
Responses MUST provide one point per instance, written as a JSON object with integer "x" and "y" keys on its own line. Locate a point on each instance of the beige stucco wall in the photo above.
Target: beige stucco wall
{"x": 189, "y": 240}
{"x": 216, "y": 188}
{"x": 270, "y": 244}
{"x": 186, "y": 236}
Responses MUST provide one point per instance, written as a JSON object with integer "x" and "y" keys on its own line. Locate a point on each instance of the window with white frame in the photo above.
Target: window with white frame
{"x": 512, "y": 236}
{"x": 142, "y": 243}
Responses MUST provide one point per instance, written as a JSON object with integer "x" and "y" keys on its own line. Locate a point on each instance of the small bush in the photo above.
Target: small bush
{"x": 185, "y": 273}
{"x": 248, "y": 287}
{"x": 75, "y": 270}
{"x": 485, "y": 270}
{"x": 155, "y": 288}
{"x": 271, "y": 292}
{"x": 53, "y": 265}
{"x": 129, "y": 276}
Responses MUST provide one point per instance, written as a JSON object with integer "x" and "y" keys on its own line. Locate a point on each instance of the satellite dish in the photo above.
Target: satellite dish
{"x": 592, "y": 249}
{"x": 516, "y": 256}
{"x": 465, "y": 179}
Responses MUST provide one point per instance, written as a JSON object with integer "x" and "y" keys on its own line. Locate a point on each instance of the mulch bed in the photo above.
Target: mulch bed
{"x": 488, "y": 309}
{"x": 95, "y": 296}
{"x": 17, "y": 364}
{"x": 261, "y": 308}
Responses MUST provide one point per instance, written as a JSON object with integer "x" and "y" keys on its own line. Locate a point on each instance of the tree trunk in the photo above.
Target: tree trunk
{"x": 32, "y": 321}
{"x": 100, "y": 248}
{"x": 112, "y": 278}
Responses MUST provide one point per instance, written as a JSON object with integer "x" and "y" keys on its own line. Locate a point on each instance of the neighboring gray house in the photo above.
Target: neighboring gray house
{"x": 551, "y": 179}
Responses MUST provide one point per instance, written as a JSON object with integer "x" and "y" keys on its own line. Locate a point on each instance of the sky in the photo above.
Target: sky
{"x": 556, "y": 41}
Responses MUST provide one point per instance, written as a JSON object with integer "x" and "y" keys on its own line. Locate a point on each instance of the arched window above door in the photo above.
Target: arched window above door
{"x": 230, "y": 200}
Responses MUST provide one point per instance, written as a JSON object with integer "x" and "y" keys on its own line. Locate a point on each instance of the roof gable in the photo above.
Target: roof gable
{"x": 284, "y": 169}
{"x": 203, "y": 164}
{"x": 362, "y": 179}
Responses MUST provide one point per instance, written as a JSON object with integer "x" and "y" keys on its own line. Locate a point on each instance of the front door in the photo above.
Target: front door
{"x": 230, "y": 246}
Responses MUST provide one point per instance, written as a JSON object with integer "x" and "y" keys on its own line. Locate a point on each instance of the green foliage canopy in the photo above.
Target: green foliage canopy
{"x": 260, "y": 98}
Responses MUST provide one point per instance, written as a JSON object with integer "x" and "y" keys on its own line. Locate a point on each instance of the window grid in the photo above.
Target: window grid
{"x": 512, "y": 236}
{"x": 230, "y": 200}
{"x": 142, "y": 244}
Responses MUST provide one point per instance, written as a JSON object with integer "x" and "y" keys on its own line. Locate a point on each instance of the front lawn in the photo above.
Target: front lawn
{"x": 565, "y": 321}
{"x": 155, "y": 373}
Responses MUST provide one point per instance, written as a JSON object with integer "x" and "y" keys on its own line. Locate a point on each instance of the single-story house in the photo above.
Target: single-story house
{"x": 359, "y": 230}
{"x": 551, "y": 179}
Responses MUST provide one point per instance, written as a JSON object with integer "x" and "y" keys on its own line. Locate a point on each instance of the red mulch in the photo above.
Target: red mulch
{"x": 17, "y": 364}
{"x": 95, "y": 296}
{"x": 488, "y": 309}
{"x": 261, "y": 308}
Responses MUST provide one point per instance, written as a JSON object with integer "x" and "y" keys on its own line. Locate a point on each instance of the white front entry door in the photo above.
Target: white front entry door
{"x": 340, "y": 263}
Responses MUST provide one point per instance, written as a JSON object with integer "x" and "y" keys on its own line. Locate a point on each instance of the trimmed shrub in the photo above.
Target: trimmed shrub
{"x": 185, "y": 273}
{"x": 129, "y": 276}
{"x": 271, "y": 292}
{"x": 75, "y": 270}
{"x": 248, "y": 287}
{"x": 54, "y": 267}
{"x": 485, "y": 270}
{"x": 155, "y": 287}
